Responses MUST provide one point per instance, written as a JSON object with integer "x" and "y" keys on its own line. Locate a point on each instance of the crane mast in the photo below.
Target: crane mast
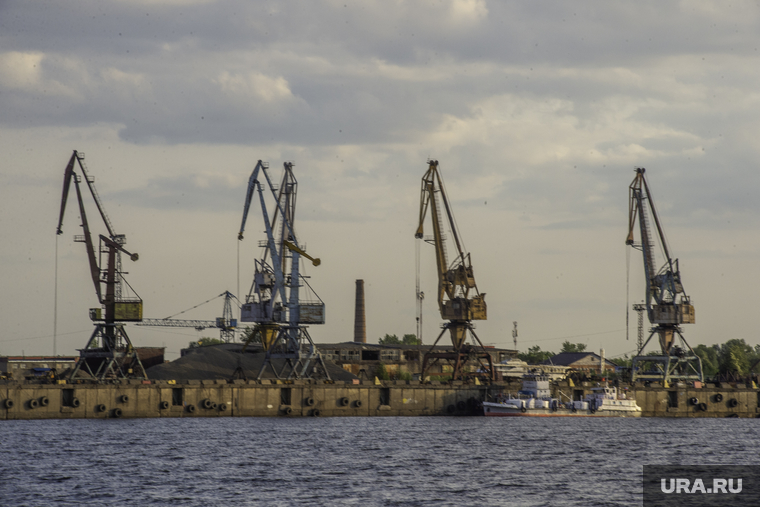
{"x": 459, "y": 300}
{"x": 666, "y": 303}
{"x": 109, "y": 353}
{"x": 275, "y": 300}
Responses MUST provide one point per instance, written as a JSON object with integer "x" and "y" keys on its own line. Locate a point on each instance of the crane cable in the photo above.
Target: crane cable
{"x": 238, "y": 267}
{"x": 193, "y": 308}
{"x": 55, "y": 301}
{"x": 417, "y": 295}
{"x": 627, "y": 288}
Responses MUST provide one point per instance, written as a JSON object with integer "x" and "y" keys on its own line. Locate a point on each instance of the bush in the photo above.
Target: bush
{"x": 381, "y": 373}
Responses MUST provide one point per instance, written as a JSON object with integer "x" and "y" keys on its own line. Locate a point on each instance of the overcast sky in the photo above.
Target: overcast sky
{"x": 538, "y": 113}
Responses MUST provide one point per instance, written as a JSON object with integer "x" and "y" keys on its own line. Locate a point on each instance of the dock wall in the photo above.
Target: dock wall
{"x": 135, "y": 399}
{"x": 303, "y": 398}
{"x": 710, "y": 401}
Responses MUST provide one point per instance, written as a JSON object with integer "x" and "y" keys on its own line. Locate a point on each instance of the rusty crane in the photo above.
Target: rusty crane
{"x": 459, "y": 300}
{"x": 109, "y": 353}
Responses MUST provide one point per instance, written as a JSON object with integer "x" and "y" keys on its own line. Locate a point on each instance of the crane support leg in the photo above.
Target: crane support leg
{"x": 459, "y": 358}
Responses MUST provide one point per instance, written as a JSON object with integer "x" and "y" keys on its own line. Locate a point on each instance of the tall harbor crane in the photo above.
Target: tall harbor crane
{"x": 109, "y": 353}
{"x": 275, "y": 301}
{"x": 667, "y": 305}
{"x": 459, "y": 300}
{"x": 226, "y": 323}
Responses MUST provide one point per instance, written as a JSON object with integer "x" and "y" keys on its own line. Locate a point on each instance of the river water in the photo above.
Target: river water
{"x": 393, "y": 461}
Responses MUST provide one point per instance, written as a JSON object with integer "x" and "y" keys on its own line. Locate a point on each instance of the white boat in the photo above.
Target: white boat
{"x": 534, "y": 400}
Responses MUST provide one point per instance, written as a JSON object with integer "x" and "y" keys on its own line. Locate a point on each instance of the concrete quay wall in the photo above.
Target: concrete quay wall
{"x": 136, "y": 399}
{"x": 709, "y": 401}
{"x": 303, "y": 398}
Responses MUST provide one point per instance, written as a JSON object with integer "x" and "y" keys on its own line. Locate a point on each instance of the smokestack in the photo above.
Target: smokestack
{"x": 360, "y": 324}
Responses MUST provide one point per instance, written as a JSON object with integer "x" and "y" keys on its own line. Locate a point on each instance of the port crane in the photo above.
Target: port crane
{"x": 109, "y": 353}
{"x": 226, "y": 323}
{"x": 667, "y": 305}
{"x": 459, "y": 300}
{"x": 274, "y": 302}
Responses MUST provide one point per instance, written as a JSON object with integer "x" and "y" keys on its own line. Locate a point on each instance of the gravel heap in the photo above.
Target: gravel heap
{"x": 219, "y": 362}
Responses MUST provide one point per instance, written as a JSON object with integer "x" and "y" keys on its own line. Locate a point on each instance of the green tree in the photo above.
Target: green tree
{"x": 573, "y": 347}
{"x": 205, "y": 342}
{"x": 389, "y": 339}
{"x": 410, "y": 339}
{"x": 734, "y": 357}
{"x": 252, "y": 333}
{"x": 709, "y": 357}
{"x": 380, "y": 371}
{"x": 623, "y": 362}
{"x": 535, "y": 355}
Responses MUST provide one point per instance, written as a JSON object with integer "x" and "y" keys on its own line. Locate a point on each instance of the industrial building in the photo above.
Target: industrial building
{"x": 20, "y": 367}
{"x": 587, "y": 362}
{"x": 362, "y": 359}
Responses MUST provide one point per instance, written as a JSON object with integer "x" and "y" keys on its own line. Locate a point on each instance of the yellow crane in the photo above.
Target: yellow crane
{"x": 459, "y": 300}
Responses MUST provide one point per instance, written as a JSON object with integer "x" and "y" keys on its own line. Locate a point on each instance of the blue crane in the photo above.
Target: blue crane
{"x": 275, "y": 301}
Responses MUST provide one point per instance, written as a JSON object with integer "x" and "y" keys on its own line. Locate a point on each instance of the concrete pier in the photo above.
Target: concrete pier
{"x": 304, "y": 398}
{"x": 216, "y": 398}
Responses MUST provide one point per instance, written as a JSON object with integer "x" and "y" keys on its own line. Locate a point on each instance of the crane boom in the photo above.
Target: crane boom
{"x": 665, "y": 298}
{"x": 455, "y": 280}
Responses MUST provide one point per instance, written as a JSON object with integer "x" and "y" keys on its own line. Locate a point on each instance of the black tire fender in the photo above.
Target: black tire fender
{"x": 164, "y": 405}
{"x": 117, "y": 413}
{"x": 44, "y": 401}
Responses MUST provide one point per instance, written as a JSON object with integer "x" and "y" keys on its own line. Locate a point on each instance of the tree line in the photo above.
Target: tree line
{"x": 537, "y": 356}
{"x": 734, "y": 357}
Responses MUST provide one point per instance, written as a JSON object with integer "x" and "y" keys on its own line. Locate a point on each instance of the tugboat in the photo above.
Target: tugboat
{"x": 534, "y": 400}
